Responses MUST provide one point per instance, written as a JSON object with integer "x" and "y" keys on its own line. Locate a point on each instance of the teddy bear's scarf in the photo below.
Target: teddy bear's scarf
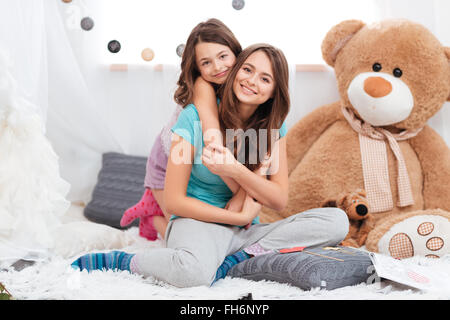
{"x": 375, "y": 164}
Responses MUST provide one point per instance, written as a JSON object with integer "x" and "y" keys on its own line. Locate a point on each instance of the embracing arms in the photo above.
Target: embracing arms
{"x": 271, "y": 192}
{"x": 179, "y": 168}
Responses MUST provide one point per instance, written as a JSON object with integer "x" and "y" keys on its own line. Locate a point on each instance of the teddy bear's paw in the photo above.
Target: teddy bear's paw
{"x": 424, "y": 235}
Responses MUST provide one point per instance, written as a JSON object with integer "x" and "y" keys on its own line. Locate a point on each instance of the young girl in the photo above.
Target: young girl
{"x": 210, "y": 52}
{"x": 201, "y": 233}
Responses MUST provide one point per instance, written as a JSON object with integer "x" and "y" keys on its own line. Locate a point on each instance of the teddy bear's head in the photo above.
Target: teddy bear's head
{"x": 354, "y": 204}
{"x": 393, "y": 73}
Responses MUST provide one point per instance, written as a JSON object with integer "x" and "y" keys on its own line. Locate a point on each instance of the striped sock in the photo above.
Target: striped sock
{"x": 115, "y": 260}
{"x": 230, "y": 262}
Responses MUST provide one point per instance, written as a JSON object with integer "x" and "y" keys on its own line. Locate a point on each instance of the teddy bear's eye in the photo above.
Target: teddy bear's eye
{"x": 376, "y": 67}
{"x": 397, "y": 72}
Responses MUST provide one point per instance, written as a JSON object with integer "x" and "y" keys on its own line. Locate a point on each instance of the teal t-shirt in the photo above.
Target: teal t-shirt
{"x": 203, "y": 184}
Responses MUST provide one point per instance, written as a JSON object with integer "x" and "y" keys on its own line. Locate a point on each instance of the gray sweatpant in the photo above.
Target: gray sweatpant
{"x": 196, "y": 249}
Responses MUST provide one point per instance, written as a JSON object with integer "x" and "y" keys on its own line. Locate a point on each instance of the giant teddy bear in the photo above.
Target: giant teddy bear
{"x": 392, "y": 77}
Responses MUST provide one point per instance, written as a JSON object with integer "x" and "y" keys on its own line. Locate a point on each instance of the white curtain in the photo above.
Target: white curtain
{"x": 23, "y": 43}
{"x": 32, "y": 192}
{"x": 88, "y": 109}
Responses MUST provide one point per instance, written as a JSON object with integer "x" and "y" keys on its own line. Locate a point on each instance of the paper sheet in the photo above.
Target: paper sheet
{"x": 416, "y": 276}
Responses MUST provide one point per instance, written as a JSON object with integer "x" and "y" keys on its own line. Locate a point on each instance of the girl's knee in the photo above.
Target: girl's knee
{"x": 331, "y": 221}
{"x": 338, "y": 224}
{"x": 189, "y": 272}
{"x": 195, "y": 277}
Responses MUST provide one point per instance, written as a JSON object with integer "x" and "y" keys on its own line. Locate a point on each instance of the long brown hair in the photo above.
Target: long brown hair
{"x": 269, "y": 115}
{"x": 214, "y": 31}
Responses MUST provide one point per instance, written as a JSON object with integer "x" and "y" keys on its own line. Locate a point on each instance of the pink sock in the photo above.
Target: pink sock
{"x": 147, "y": 229}
{"x": 147, "y": 206}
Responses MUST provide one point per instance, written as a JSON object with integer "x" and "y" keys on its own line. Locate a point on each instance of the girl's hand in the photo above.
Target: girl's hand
{"x": 250, "y": 210}
{"x": 219, "y": 160}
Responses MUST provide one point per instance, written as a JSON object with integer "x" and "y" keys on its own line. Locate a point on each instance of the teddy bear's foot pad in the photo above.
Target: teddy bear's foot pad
{"x": 425, "y": 235}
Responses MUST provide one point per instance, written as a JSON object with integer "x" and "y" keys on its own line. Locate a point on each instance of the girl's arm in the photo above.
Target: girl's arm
{"x": 236, "y": 203}
{"x": 179, "y": 168}
{"x": 238, "y": 200}
{"x": 205, "y": 101}
{"x": 271, "y": 192}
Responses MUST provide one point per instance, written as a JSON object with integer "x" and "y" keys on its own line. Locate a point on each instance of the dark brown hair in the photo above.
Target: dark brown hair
{"x": 270, "y": 115}
{"x": 214, "y": 31}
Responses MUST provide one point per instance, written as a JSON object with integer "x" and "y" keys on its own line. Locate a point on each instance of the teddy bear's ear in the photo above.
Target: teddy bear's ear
{"x": 338, "y": 37}
{"x": 340, "y": 202}
{"x": 361, "y": 192}
{"x": 447, "y": 53}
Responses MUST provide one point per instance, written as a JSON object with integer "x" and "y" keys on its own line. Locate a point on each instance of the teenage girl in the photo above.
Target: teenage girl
{"x": 201, "y": 233}
{"x": 210, "y": 52}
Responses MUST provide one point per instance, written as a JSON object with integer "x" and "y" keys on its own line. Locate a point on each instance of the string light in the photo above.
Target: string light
{"x": 87, "y": 23}
{"x": 114, "y": 46}
{"x": 180, "y": 49}
{"x": 238, "y": 4}
{"x": 147, "y": 54}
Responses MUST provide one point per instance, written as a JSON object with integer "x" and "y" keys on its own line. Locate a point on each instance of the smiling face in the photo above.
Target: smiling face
{"x": 254, "y": 83}
{"x": 255, "y": 97}
{"x": 214, "y": 61}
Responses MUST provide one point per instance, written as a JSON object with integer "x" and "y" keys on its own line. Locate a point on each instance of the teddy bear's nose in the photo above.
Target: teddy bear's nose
{"x": 361, "y": 209}
{"x": 377, "y": 87}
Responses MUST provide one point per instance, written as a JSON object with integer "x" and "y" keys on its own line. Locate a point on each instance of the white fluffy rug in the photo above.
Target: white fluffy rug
{"x": 55, "y": 279}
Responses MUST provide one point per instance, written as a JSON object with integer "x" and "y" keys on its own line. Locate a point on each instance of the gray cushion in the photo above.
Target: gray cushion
{"x": 307, "y": 271}
{"x": 120, "y": 185}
